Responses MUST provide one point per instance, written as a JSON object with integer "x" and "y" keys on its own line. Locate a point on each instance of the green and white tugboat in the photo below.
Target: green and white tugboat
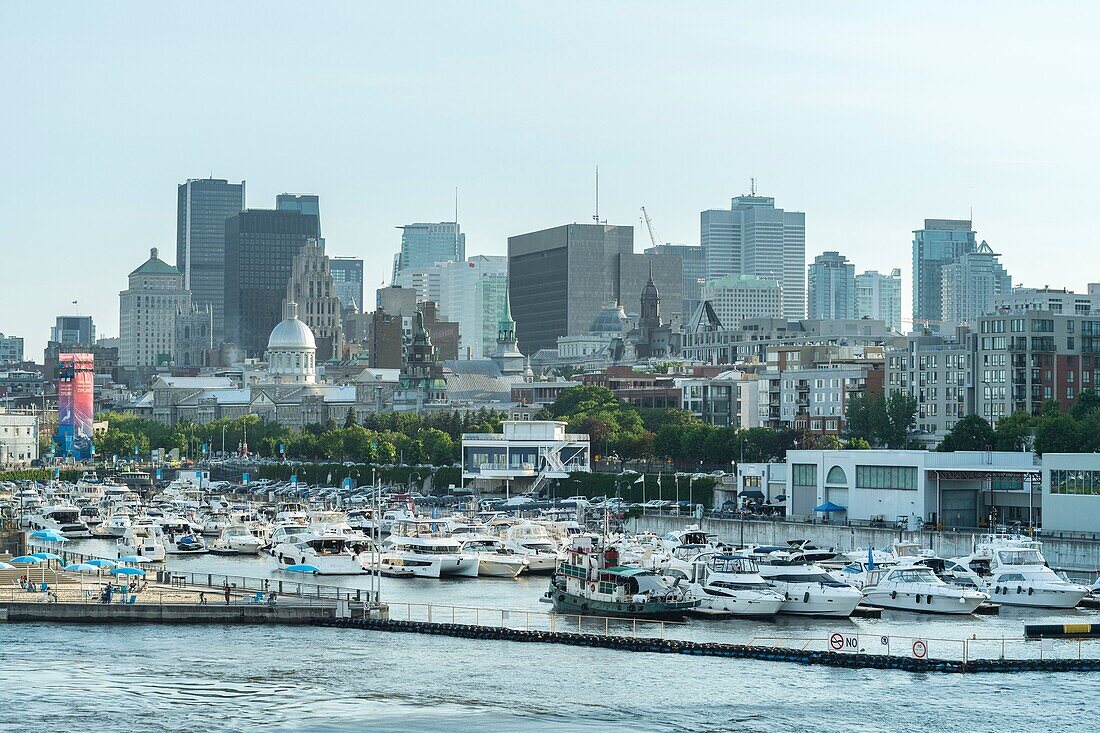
{"x": 591, "y": 581}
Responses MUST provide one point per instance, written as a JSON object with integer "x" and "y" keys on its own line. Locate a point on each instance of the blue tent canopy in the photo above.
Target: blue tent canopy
{"x": 829, "y": 507}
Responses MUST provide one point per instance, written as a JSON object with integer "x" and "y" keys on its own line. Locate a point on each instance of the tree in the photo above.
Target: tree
{"x": 1014, "y": 433}
{"x": 901, "y": 410}
{"x": 1087, "y": 403}
{"x": 1057, "y": 433}
{"x": 349, "y": 419}
{"x": 972, "y": 432}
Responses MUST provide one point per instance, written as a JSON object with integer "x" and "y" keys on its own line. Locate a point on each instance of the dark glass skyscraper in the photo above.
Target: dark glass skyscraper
{"x": 347, "y": 274}
{"x": 303, "y": 203}
{"x": 260, "y": 246}
{"x": 202, "y": 206}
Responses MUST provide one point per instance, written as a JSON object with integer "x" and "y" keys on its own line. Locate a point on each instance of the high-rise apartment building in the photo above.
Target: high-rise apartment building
{"x": 423, "y": 245}
{"x": 878, "y": 297}
{"x": 832, "y": 291}
{"x": 560, "y": 279}
{"x": 971, "y": 284}
{"x": 147, "y": 312}
{"x": 695, "y": 272}
{"x": 260, "y": 246}
{"x": 73, "y": 330}
{"x": 202, "y": 208}
{"x": 472, "y": 294}
{"x": 755, "y": 238}
{"x": 939, "y": 243}
{"x": 347, "y": 274}
{"x": 737, "y": 297}
{"x": 312, "y": 288}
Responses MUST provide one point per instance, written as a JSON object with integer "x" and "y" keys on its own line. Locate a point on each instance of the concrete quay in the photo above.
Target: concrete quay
{"x": 1072, "y": 555}
{"x": 236, "y": 613}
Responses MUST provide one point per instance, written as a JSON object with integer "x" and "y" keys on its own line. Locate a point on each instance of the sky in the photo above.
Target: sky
{"x": 867, "y": 116}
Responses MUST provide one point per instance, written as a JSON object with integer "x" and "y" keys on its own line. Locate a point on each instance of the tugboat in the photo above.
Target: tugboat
{"x": 591, "y": 581}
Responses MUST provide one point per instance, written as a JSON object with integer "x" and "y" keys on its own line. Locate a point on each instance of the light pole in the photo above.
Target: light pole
{"x": 223, "y": 438}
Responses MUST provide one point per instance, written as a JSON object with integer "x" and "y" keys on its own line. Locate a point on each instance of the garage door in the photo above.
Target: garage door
{"x": 960, "y": 508}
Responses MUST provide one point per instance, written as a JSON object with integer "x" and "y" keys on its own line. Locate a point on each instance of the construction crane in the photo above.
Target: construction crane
{"x": 649, "y": 225}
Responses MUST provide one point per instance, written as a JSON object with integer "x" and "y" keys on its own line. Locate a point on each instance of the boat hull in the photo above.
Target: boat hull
{"x": 568, "y": 603}
{"x": 1042, "y": 598}
{"x": 924, "y": 602}
{"x": 488, "y": 567}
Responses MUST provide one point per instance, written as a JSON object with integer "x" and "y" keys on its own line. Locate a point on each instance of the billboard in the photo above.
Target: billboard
{"x": 75, "y": 411}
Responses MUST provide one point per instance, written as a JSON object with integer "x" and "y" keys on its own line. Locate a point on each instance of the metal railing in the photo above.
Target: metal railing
{"x": 964, "y": 650}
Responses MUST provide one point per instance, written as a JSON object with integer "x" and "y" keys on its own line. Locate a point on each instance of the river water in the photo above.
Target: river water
{"x": 242, "y": 678}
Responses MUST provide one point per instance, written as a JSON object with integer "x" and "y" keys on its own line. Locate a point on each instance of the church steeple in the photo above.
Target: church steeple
{"x": 506, "y": 329}
{"x": 507, "y": 354}
{"x": 651, "y": 301}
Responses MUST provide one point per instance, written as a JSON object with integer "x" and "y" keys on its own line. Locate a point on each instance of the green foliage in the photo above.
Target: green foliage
{"x": 880, "y": 421}
{"x": 1087, "y": 403}
{"x": 859, "y": 444}
{"x": 612, "y": 426}
{"x": 972, "y": 432}
{"x": 1014, "y": 433}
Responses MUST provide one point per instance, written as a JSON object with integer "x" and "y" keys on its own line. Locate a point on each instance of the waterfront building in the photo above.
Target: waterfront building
{"x": 560, "y": 278}
{"x": 202, "y": 208}
{"x": 347, "y": 274}
{"x": 971, "y": 285}
{"x": 832, "y": 289}
{"x": 1022, "y": 300}
{"x": 695, "y": 272}
{"x": 938, "y": 244}
{"x": 260, "y": 246}
{"x": 312, "y": 287}
{"x": 754, "y": 238}
{"x": 878, "y": 296}
{"x": 472, "y": 294}
{"x": 524, "y": 456}
{"x": 427, "y": 244}
{"x": 11, "y": 349}
{"x": 73, "y": 331}
{"x": 147, "y": 313}
{"x": 739, "y": 297}
{"x": 18, "y": 438}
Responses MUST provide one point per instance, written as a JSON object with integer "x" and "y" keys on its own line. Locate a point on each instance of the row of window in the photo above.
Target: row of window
{"x": 1075, "y": 482}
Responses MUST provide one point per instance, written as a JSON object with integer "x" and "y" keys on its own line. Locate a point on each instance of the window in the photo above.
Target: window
{"x": 1075, "y": 482}
{"x": 886, "y": 477}
{"x": 804, "y": 474}
{"x": 836, "y": 477}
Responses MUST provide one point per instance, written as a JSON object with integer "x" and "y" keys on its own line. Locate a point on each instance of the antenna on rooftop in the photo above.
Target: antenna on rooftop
{"x": 596, "y": 216}
{"x": 752, "y": 186}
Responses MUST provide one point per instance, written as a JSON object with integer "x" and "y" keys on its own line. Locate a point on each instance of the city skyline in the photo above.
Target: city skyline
{"x": 533, "y": 167}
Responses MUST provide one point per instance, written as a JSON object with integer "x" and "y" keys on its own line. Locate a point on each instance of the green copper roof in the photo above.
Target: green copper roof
{"x": 155, "y": 266}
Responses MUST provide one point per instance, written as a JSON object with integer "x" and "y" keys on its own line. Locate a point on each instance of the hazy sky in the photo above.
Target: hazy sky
{"x": 869, "y": 117}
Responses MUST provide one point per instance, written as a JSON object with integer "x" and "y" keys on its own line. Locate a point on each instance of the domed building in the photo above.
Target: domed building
{"x": 292, "y": 350}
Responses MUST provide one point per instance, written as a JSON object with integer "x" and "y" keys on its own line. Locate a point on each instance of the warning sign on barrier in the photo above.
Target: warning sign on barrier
{"x": 843, "y": 643}
{"x": 920, "y": 649}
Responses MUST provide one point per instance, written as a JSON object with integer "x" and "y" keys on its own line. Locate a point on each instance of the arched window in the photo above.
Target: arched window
{"x": 836, "y": 477}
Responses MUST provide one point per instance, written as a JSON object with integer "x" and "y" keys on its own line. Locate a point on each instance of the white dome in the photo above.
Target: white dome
{"x": 291, "y": 333}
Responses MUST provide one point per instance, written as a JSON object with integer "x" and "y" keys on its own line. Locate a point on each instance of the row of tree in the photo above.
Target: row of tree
{"x": 1052, "y": 431}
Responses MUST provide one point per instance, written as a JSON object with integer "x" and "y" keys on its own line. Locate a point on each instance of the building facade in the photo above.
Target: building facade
{"x": 312, "y": 287}
{"x": 938, "y": 244}
{"x": 260, "y": 246}
{"x": 73, "y": 330}
{"x": 525, "y": 456}
{"x": 147, "y": 313}
{"x": 472, "y": 294}
{"x": 739, "y": 297}
{"x": 832, "y": 289}
{"x": 426, "y": 244}
{"x": 878, "y": 296}
{"x": 18, "y": 438}
{"x": 194, "y": 339}
{"x": 971, "y": 285}
{"x": 1022, "y": 300}
{"x": 347, "y": 274}
{"x": 202, "y": 208}
{"x": 303, "y": 204}
{"x": 755, "y": 238}
{"x": 11, "y": 349}
{"x": 695, "y": 272}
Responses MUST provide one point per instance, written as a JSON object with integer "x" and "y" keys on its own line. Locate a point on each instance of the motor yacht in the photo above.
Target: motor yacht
{"x": 63, "y": 519}
{"x": 494, "y": 560}
{"x": 728, "y": 585}
{"x": 331, "y": 554}
{"x": 918, "y": 588}
{"x": 809, "y": 590}
{"x": 534, "y": 543}
{"x": 1015, "y": 573}
{"x": 236, "y": 539}
{"x": 426, "y": 547}
{"x": 144, "y": 539}
{"x": 804, "y": 551}
{"x": 283, "y": 532}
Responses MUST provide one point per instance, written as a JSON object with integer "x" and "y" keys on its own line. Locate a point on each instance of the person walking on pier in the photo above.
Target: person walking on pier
{"x": 202, "y": 598}
{"x": 226, "y": 592}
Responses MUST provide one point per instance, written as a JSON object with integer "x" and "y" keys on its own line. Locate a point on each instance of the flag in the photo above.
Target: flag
{"x": 640, "y": 479}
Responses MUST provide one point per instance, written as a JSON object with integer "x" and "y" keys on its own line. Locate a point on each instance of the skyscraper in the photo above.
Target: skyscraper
{"x": 260, "y": 246}
{"x": 73, "y": 330}
{"x": 202, "y": 207}
{"x": 695, "y": 272}
{"x": 147, "y": 313}
{"x": 347, "y": 273}
{"x": 471, "y": 294}
{"x": 755, "y": 238}
{"x": 832, "y": 291}
{"x": 940, "y": 243}
{"x": 302, "y": 203}
{"x": 970, "y": 286}
{"x": 423, "y": 245}
{"x": 879, "y": 297}
{"x": 559, "y": 279}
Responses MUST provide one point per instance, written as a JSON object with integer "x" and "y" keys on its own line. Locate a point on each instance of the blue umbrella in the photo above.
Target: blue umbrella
{"x": 47, "y": 556}
{"x": 80, "y": 567}
{"x": 133, "y": 558}
{"x": 302, "y": 569}
{"x": 42, "y": 534}
{"x": 126, "y": 571}
{"x": 30, "y": 559}
{"x": 5, "y": 566}
{"x": 829, "y": 507}
{"x": 101, "y": 563}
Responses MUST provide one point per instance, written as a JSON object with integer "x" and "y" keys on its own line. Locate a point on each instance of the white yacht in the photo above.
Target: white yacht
{"x": 331, "y": 554}
{"x": 427, "y": 548}
{"x": 1014, "y": 573}
{"x": 809, "y": 590}
{"x": 918, "y": 588}
{"x": 534, "y": 543}
{"x": 144, "y": 539}
{"x": 115, "y": 525}
{"x": 494, "y": 560}
{"x": 236, "y": 539}
{"x": 728, "y": 585}
{"x": 63, "y": 519}
{"x": 284, "y": 532}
